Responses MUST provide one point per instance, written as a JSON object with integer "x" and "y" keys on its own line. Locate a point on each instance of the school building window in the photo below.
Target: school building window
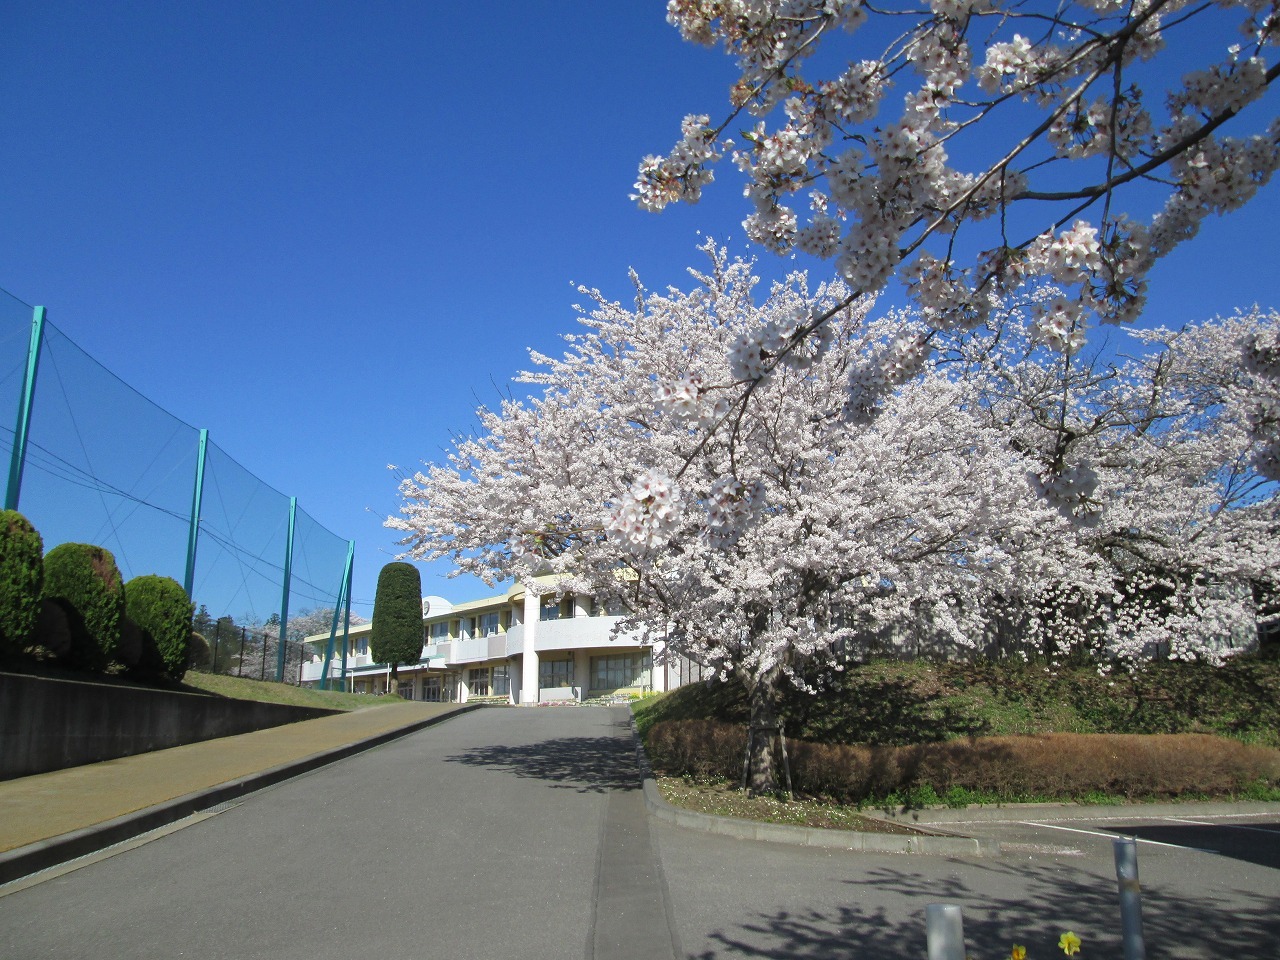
{"x": 618, "y": 670}
{"x": 555, "y": 673}
{"x": 431, "y": 689}
{"x": 478, "y": 681}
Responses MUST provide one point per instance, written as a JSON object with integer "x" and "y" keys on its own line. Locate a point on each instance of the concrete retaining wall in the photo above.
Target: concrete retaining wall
{"x": 51, "y": 724}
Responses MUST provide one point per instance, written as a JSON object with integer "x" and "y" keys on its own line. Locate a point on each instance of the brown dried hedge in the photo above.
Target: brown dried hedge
{"x": 1060, "y": 765}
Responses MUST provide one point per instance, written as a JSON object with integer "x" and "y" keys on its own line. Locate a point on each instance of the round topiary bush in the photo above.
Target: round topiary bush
{"x": 86, "y": 580}
{"x": 159, "y": 606}
{"x": 21, "y": 581}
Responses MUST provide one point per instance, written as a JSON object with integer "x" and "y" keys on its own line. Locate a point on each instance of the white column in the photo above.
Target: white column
{"x": 529, "y": 665}
{"x": 581, "y": 672}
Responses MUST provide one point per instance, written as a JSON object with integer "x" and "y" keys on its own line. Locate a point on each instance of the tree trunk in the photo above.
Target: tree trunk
{"x": 393, "y": 683}
{"x": 762, "y": 738}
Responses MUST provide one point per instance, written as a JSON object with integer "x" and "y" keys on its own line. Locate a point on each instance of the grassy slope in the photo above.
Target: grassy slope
{"x": 896, "y": 703}
{"x": 242, "y": 688}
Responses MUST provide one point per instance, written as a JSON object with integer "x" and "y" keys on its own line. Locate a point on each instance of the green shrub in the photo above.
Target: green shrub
{"x": 21, "y": 582}
{"x": 160, "y": 608}
{"x": 87, "y": 582}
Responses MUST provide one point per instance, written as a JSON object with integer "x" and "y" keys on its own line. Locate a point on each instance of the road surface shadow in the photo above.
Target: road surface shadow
{"x": 1257, "y": 842}
{"x": 585, "y": 764}
{"x": 1044, "y": 903}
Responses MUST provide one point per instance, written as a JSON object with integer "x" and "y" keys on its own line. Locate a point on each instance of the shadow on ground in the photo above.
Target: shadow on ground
{"x": 585, "y": 764}
{"x": 1255, "y": 842}
{"x": 1240, "y": 924}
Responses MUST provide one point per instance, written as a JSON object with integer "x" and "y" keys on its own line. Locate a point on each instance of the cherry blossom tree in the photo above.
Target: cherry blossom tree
{"x": 1158, "y": 464}
{"x": 1071, "y": 142}
{"x": 1115, "y": 507}
{"x": 771, "y": 543}
{"x": 319, "y": 620}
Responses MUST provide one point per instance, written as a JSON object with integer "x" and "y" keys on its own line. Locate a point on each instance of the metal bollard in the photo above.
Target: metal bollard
{"x": 944, "y": 931}
{"x": 1126, "y": 850}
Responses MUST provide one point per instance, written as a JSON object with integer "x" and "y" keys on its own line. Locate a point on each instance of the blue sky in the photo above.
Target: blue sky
{"x": 327, "y": 231}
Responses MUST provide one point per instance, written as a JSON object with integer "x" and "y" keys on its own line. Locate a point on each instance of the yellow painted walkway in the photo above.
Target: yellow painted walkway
{"x": 49, "y": 805}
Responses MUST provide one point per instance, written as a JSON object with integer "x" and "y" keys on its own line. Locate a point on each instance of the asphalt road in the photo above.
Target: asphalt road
{"x": 522, "y": 833}
{"x": 501, "y": 833}
{"x": 748, "y": 899}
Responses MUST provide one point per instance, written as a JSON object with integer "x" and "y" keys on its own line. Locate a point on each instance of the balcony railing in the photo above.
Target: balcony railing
{"x": 571, "y": 633}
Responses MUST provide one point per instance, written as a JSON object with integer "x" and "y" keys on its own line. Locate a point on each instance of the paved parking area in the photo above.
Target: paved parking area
{"x": 1211, "y": 889}
{"x": 1251, "y": 835}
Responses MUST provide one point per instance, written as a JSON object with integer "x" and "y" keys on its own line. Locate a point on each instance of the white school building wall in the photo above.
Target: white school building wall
{"x": 518, "y": 647}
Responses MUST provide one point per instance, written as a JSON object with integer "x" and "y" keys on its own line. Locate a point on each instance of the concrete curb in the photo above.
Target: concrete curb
{"x": 23, "y": 861}
{"x": 951, "y": 846}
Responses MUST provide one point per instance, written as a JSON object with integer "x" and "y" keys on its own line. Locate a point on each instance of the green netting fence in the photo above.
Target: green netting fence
{"x": 92, "y": 460}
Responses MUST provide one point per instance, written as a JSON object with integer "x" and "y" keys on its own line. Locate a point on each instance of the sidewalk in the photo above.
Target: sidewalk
{"x": 53, "y": 817}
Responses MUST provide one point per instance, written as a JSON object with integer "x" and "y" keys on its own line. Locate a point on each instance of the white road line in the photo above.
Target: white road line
{"x": 1128, "y": 817}
{"x": 1114, "y": 836}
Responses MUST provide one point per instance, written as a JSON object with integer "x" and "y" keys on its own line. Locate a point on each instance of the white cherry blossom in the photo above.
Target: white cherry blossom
{"x": 1061, "y": 112}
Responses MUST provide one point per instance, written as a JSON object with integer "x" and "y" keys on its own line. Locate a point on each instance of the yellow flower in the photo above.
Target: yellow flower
{"x": 1018, "y": 953}
{"x": 1069, "y": 944}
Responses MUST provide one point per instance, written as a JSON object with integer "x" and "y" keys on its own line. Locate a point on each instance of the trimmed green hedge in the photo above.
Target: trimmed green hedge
{"x": 160, "y": 609}
{"x": 21, "y": 581}
{"x": 85, "y": 581}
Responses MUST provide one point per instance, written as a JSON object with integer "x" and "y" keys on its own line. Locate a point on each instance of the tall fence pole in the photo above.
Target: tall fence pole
{"x": 18, "y": 460}
{"x": 344, "y": 593}
{"x": 197, "y": 499}
{"x": 328, "y": 647}
{"x": 284, "y": 596}
{"x": 346, "y": 625}
{"x": 1126, "y": 852}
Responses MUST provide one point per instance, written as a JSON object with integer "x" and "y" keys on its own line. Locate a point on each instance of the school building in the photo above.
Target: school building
{"x": 517, "y": 647}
